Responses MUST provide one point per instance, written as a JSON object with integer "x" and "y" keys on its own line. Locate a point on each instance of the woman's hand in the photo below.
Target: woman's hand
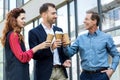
{"x": 45, "y": 45}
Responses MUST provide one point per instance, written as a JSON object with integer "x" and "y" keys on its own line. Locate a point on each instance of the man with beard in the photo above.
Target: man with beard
{"x": 50, "y": 62}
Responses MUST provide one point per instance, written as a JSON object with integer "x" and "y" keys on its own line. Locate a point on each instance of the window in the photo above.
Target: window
{"x": 82, "y": 8}
{"x": 72, "y": 33}
{"x": 1, "y": 62}
{"x": 111, "y": 14}
{"x": 25, "y": 1}
{"x": 1, "y": 10}
{"x": 62, "y": 18}
{"x": 26, "y": 30}
{"x": 12, "y": 4}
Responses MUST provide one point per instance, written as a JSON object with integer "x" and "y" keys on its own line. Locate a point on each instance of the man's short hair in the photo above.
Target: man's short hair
{"x": 95, "y": 16}
{"x": 45, "y": 6}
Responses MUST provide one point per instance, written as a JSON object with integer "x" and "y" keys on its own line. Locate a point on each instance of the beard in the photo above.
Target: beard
{"x": 51, "y": 21}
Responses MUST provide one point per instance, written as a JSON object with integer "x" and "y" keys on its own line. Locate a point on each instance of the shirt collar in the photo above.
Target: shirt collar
{"x": 95, "y": 33}
{"x": 45, "y": 26}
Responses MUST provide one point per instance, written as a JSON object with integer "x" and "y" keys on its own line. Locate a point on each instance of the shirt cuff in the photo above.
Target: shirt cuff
{"x": 51, "y": 50}
{"x": 114, "y": 66}
{"x": 65, "y": 49}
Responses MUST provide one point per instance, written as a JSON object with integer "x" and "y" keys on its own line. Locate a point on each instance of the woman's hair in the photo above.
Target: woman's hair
{"x": 11, "y": 24}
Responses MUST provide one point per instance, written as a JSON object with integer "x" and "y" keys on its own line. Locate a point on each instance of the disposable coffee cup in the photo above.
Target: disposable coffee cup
{"x": 58, "y": 35}
{"x": 66, "y": 37}
{"x": 50, "y": 37}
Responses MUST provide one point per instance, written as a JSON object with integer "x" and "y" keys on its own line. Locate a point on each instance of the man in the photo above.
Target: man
{"x": 94, "y": 48}
{"x": 50, "y": 62}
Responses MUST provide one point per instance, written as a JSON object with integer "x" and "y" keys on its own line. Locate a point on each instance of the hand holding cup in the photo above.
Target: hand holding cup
{"x": 44, "y": 45}
{"x": 57, "y": 43}
{"x": 66, "y": 39}
{"x": 58, "y": 35}
{"x": 49, "y": 37}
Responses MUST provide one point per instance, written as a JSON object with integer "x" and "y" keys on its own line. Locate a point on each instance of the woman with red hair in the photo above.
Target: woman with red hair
{"x": 16, "y": 56}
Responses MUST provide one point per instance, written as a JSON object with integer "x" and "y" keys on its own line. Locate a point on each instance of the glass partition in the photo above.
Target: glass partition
{"x": 1, "y": 10}
{"x": 1, "y": 62}
{"x": 62, "y": 21}
{"x": 12, "y": 4}
{"x": 72, "y": 33}
{"x": 25, "y": 1}
{"x": 83, "y": 6}
{"x": 26, "y": 30}
{"x": 111, "y": 20}
{"x": 111, "y": 14}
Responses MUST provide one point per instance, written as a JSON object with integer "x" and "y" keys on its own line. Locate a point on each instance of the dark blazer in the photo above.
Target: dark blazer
{"x": 44, "y": 58}
{"x": 14, "y": 69}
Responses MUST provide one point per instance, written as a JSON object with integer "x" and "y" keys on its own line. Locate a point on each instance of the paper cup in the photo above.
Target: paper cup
{"x": 50, "y": 37}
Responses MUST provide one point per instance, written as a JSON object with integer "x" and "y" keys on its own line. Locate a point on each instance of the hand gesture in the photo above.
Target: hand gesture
{"x": 45, "y": 44}
{"x": 57, "y": 43}
{"x": 64, "y": 42}
{"x": 109, "y": 72}
{"x": 67, "y": 63}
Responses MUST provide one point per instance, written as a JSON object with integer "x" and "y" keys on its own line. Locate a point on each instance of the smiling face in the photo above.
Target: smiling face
{"x": 89, "y": 23}
{"x": 51, "y": 15}
{"x": 21, "y": 20}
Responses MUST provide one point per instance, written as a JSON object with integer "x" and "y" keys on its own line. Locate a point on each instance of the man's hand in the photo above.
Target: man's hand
{"x": 57, "y": 43}
{"x": 64, "y": 43}
{"x": 109, "y": 72}
{"x": 67, "y": 64}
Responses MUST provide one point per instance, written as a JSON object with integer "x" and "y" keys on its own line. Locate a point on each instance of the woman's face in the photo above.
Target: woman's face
{"x": 21, "y": 20}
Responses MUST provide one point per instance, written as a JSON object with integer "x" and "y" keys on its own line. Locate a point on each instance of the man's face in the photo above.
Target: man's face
{"x": 51, "y": 15}
{"x": 89, "y": 23}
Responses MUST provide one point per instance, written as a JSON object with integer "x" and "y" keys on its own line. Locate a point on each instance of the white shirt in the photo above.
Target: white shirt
{"x": 56, "y": 59}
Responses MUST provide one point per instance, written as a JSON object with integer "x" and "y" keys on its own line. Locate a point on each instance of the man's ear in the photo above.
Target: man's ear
{"x": 95, "y": 21}
{"x": 43, "y": 14}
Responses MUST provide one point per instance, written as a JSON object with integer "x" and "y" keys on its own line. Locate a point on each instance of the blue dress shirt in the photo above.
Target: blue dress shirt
{"x": 94, "y": 50}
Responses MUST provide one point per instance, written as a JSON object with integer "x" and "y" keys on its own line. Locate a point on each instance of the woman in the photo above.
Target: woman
{"x": 17, "y": 58}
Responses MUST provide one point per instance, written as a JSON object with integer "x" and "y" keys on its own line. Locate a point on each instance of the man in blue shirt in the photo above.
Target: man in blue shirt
{"x": 94, "y": 48}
